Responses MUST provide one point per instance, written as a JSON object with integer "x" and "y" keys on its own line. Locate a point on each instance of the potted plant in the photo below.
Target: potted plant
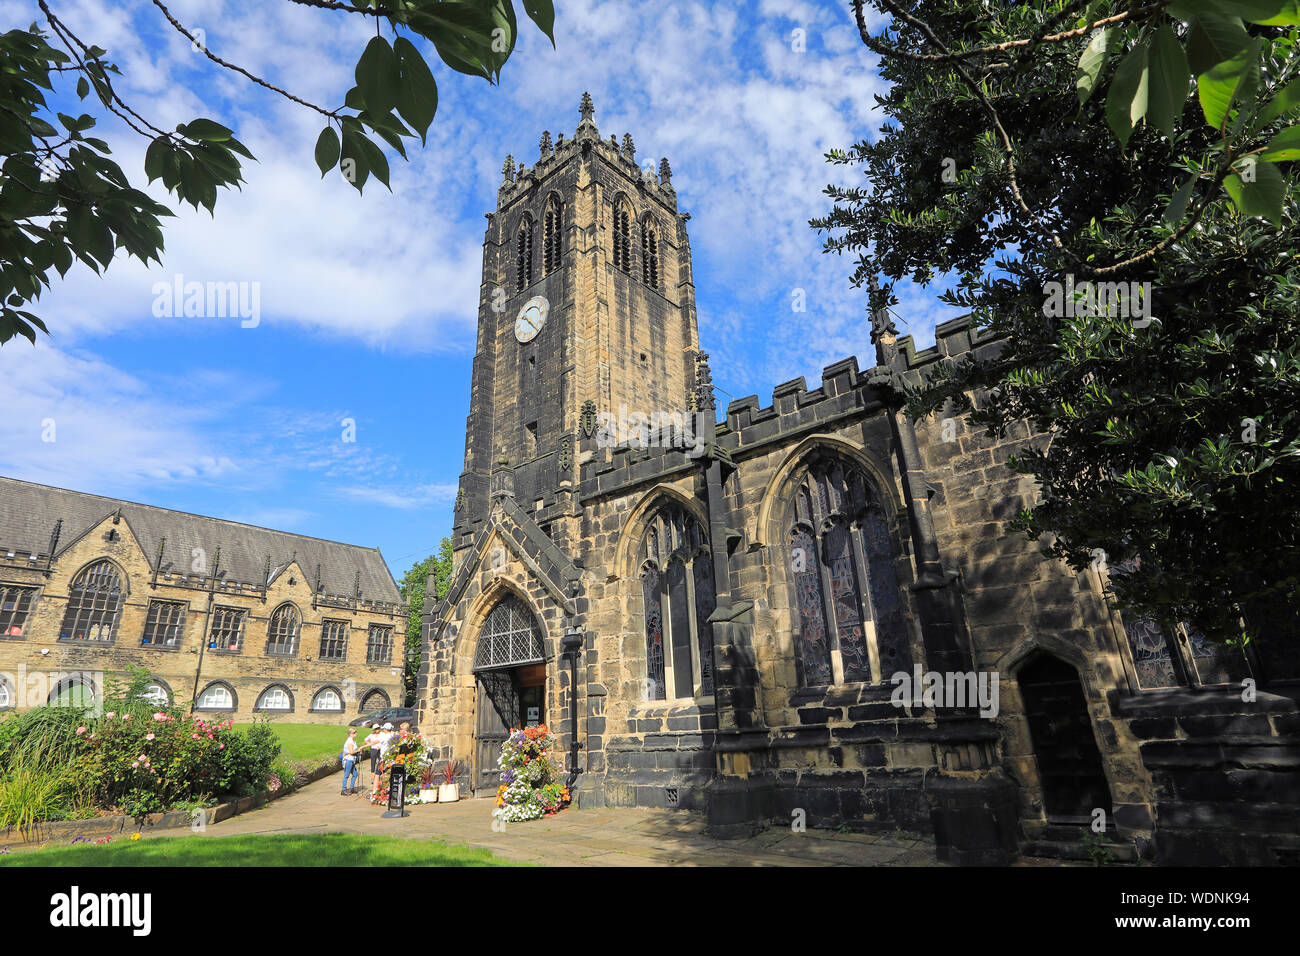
{"x": 428, "y": 792}
{"x": 449, "y": 790}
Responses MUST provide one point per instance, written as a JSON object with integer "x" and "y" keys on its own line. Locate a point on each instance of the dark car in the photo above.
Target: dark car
{"x": 392, "y": 715}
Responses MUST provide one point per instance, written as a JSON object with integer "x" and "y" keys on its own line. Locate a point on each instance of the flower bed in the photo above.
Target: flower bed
{"x": 405, "y": 750}
{"x": 531, "y": 783}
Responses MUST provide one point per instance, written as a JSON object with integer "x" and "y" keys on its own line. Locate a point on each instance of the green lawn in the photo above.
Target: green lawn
{"x": 308, "y": 741}
{"x": 279, "y": 849}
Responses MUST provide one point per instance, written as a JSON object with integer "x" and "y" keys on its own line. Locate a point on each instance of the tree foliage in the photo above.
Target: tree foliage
{"x": 435, "y": 568}
{"x": 1033, "y": 162}
{"x": 63, "y": 199}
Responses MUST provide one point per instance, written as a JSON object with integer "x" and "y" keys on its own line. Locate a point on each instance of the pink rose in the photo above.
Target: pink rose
{"x": 109, "y": 715}
{"x": 81, "y": 730}
{"x": 134, "y": 765}
{"x": 148, "y": 736}
{"x": 222, "y": 747}
{"x": 194, "y": 736}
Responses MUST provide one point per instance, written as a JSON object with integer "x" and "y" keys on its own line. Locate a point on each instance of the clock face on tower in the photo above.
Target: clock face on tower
{"x": 531, "y": 318}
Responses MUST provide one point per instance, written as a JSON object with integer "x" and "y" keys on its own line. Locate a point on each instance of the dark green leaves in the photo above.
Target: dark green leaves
{"x": 1090, "y": 64}
{"x": 1169, "y": 81}
{"x": 542, "y": 13}
{"x": 327, "y": 150}
{"x": 417, "y": 98}
{"x": 378, "y": 76}
{"x": 1224, "y": 83}
{"x": 1257, "y": 189}
{"x": 1128, "y": 98}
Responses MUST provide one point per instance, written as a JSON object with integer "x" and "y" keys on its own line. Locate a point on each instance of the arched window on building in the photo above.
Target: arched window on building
{"x": 282, "y": 631}
{"x": 622, "y": 238}
{"x": 649, "y": 254}
{"x": 274, "y": 698}
{"x": 552, "y": 223}
{"x": 850, "y": 624}
{"x": 94, "y": 601}
{"x": 327, "y": 700}
{"x": 524, "y": 255}
{"x": 156, "y": 694}
{"x": 216, "y": 696}
{"x": 677, "y": 587}
{"x": 374, "y": 701}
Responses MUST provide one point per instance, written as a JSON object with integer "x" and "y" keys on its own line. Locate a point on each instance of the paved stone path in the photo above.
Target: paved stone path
{"x": 599, "y": 837}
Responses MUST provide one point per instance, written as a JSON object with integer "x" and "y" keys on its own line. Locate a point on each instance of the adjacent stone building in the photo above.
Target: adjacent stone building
{"x": 229, "y": 618}
{"x": 720, "y": 615}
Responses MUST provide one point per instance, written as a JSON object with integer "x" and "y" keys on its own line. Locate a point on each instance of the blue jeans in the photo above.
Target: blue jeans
{"x": 350, "y": 769}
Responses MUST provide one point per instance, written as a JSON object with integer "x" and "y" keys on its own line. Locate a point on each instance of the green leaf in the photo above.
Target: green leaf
{"x": 1213, "y": 39}
{"x": 1090, "y": 64}
{"x": 375, "y": 159}
{"x": 204, "y": 129}
{"x": 327, "y": 150}
{"x": 155, "y": 158}
{"x": 378, "y": 76}
{"x": 1262, "y": 197}
{"x": 1169, "y": 80}
{"x": 1283, "y": 147}
{"x": 542, "y": 12}
{"x": 1253, "y": 11}
{"x": 353, "y": 164}
{"x": 417, "y": 98}
{"x": 1178, "y": 202}
{"x": 1286, "y": 100}
{"x": 1127, "y": 99}
{"x": 1218, "y": 86}
{"x": 83, "y": 88}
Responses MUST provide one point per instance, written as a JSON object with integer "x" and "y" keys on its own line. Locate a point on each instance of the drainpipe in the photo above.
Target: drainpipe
{"x": 207, "y": 627}
{"x": 572, "y": 646}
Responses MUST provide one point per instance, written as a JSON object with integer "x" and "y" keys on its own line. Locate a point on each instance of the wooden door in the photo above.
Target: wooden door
{"x": 498, "y": 713}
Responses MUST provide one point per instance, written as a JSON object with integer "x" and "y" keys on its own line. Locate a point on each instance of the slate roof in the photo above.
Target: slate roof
{"x": 28, "y": 512}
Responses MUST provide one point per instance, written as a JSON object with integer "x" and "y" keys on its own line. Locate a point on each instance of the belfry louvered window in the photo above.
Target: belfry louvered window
{"x": 94, "y": 601}
{"x": 649, "y": 255}
{"x": 850, "y": 623}
{"x": 622, "y": 239}
{"x": 524, "y": 255}
{"x": 282, "y": 631}
{"x": 677, "y": 587}
{"x": 509, "y": 637}
{"x": 551, "y": 223}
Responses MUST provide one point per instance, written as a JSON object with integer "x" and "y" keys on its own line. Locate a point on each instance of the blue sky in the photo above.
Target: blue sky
{"x": 368, "y": 303}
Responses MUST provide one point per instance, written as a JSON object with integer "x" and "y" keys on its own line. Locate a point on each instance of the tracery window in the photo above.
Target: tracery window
{"x": 216, "y": 697}
{"x": 227, "y": 631}
{"x": 15, "y": 606}
{"x": 282, "y": 631}
{"x": 850, "y": 623}
{"x": 622, "y": 238}
{"x": 524, "y": 255}
{"x": 333, "y": 640}
{"x": 327, "y": 699}
{"x": 649, "y": 255}
{"x": 1181, "y": 655}
{"x": 94, "y": 601}
{"x": 379, "y": 644}
{"x": 274, "y": 698}
{"x": 677, "y": 587}
{"x": 551, "y": 226}
{"x": 164, "y": 624}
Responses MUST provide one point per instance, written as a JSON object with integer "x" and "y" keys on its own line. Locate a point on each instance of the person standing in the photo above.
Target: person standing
{"x": 372, "y": 741}
{"x": 351, "y": 752}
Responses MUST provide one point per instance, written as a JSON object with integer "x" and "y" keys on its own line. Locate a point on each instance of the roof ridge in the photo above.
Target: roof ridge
{"x": 192, "y": 514}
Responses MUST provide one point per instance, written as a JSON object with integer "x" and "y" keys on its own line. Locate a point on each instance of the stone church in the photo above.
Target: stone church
{"x": 808, "y": 612}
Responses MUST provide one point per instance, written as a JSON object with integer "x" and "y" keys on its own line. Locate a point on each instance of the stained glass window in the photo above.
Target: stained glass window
{"x": 654, "y": 633}
{"x": 705, "y": 605}
{"x": 1150, "y": 649}
{"x": 814, "y": 648}
{"x": 845, "y": 585}
{"x": 677, "y": 586}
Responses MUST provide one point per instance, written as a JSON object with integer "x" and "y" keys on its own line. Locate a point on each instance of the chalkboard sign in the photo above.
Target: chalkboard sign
{"x": 397, "y": 789}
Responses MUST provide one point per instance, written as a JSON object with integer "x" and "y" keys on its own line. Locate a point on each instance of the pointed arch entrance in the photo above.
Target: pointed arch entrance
{"x": 510, "y": 678}
{"x": 1060, "y": 729}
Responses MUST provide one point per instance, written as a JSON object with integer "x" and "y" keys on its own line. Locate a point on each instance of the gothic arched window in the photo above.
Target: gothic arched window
{"x": 677, "y": 585}
{"x": 282, "y": 631}
{"x": 649, "y": 255}
{"x": 551, "y": 227}
{"x": 849, "y": 612}
{"x": 94, "y": 601}
{"x": 524, "y": 255}
{"x": 622, "y": 238}
{"x": 510, "y": 637}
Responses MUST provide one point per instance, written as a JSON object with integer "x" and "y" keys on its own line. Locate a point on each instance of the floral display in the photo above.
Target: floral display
{"x": 405, "y": 750}
{"x": 531, "y": 782}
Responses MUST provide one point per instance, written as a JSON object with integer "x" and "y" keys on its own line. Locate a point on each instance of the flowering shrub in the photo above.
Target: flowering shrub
{"x": 531, "y": 786}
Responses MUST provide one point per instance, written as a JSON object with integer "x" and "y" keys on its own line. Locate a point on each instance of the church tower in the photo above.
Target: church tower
{"x": 587, "y": 306}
